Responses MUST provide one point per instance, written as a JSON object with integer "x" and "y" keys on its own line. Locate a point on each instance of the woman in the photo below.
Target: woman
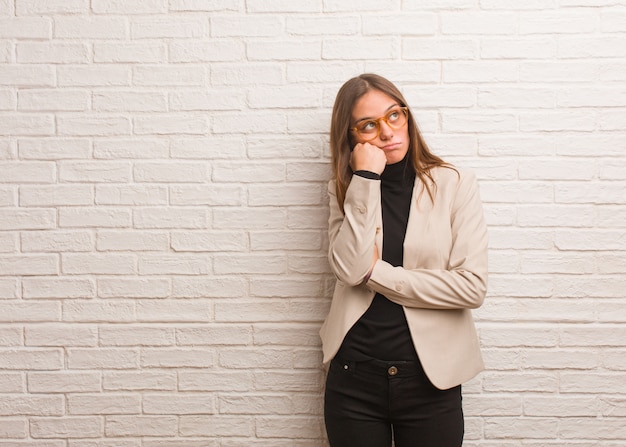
{"x": 408, "y": 246}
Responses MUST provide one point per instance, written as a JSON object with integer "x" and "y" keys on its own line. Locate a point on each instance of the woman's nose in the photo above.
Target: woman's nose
{"x": 385, "y": 130}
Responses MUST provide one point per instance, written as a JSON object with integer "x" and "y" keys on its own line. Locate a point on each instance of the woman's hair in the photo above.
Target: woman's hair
{"x": 342, "y": 142}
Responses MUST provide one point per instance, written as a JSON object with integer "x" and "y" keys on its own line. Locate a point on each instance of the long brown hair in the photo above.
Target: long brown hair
{"x": 341, "y": 141}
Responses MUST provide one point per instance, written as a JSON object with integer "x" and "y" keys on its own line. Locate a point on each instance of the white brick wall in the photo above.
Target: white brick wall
{"x": 163, "y": 167}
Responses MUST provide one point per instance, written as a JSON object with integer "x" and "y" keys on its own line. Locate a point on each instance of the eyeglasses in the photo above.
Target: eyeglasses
{"x": 369, "y": 129}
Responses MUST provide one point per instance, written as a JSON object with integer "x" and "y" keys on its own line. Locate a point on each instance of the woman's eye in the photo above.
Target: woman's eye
{"x": 368, "y": 126}
{"x": 393, "y": 116}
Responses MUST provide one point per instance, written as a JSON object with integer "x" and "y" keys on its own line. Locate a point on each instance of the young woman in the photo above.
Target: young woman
{"x": 408, "y": 246}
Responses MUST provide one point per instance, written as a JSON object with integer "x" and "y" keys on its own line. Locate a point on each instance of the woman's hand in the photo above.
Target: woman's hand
{"x": 367, "y": 157}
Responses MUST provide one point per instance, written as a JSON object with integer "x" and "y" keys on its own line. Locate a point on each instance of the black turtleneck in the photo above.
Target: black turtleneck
{"x": 382, "y": 332}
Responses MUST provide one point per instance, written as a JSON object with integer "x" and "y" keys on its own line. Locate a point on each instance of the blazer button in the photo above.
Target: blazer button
{"x": 392, "y": 371}
{"x": 362, "y": 210}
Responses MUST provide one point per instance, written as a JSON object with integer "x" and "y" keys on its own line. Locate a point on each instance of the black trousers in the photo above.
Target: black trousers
{"x": 369, "y": 404}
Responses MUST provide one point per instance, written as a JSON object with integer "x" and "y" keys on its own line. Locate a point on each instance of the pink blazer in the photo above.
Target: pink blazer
{"x": 444, "y": 274}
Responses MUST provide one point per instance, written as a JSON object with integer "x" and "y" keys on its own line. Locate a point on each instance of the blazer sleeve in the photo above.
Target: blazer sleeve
{"x": 463, "y": 284}
{"x": 352, "y": 232}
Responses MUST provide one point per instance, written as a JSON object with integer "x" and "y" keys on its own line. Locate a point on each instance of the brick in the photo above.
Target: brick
{"x": 12, "y": 382}
{"x": 44, "y": 288}
{"x": 128, "y": 426}
{"x": 8, "y": 99}
{"x": 14, "y": 428}
{"x": 42, "y": 7}
{"x": 11, "y": 336}
{"x": 380, "y": 48}
{"x": 534, "y": 428}
{"x": 9, "y": 288}
{"x": 248, "y": 172}
{"x": 174, "y": 264}
{"x": 255, "y": 404}
{"x": 137, "y": 381}
{"x": 172, "y": 27}
{"x": 53, "y": 149}
{"x": 175, "y": 75}
{"x": 95, "y": 171}
{"x": 53, "y": 100}
{"x": 85, "y": 27}
{"x": 221, "y": 426}
{"x": 251, "y": 312}
{"x": 131, "y": 195}
{"x": 57, "y": 195}
{"x": 131, "y": 241}
{"x": 170, "y": 217}
{"x": 184, "y": 124}
{"x": 299, "y": 381}
{"x": 246, "y": 218}
{"x": 179, "y": 172}
{"x": 29, "y": 265}
{"x": 64, "y": 382}
{"x": 66, "y": 427}
{"x": 86, "y": 125}
{"x": 8, "y": 243}
{"x": 467, "y": 71}
{"x": 217, "y": 287}
{"x": 196, "y": 403}
{"x": 215, "y": 334}
{"x": 245, "y": 358}
{"x": 285, "y": 287}
{"x": 196, "y": 148}
{"x": 437, "y": 49}
{"x": 248, "y": 26}
{"x": 323, "y": 25}
{"x": 104, "y": 403}
{"x": 177, "y": 358}
{"x": 60, "y": 335}
{"x": 29, "y": 311}
{"x": 27, "y": 75}
{"x": 26, "y": 28}
{"x": 130, "y": 7}
{"x": 234, "y": 74}
{"x": 174, "y": 311}
{"x": 92, "y": 217}
{"x": 136, "y": 336}
{"x": 102, "y": 358}
{"x": 483, "y": 23}
{"x": 216, "y": 380}
{"x": 129, "y": 52}
{"x": 562, "y": 71}
{"x": 116, "y": 149}
{"x": 493, "y": 405}
{"x": 589, "y": 427}
{"x": 201, "y": 5}
{"x": 297, "y": 195}
{"x": 364, "y": 6}
{"x": 16, "y": 404}
{"x": 212, "y": 51}
{"x": 555, "y": 216}
{"x": 98, "y": 311}
{"x": 27, "y": 219}
{"x": 133, "y": 288}
{"x": 30, "y": 359}
{"x": 297, "y": 427}
{"x": 130, "y": 101}
{"x": 104, "y": 264}
{"x": 27, "y": 172}
{"x": 26, "y": 124}
{"x": 55, "y": 53}
{"x": 89, "y": 76}
{"x": 202, "y": 241}
{"x": 287, "y": 51}
{"x": 195, "y": 100}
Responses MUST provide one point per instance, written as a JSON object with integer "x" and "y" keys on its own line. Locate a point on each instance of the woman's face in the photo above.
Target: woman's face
{"x": 371, "y": 107}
